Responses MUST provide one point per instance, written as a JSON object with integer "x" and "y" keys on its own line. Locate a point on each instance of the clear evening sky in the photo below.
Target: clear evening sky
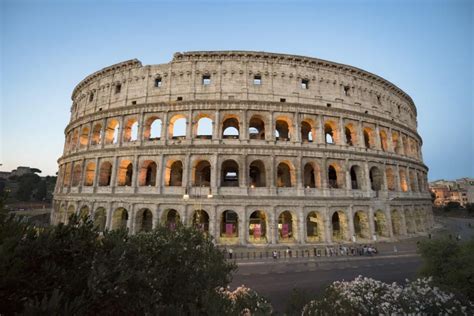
{"x": 424, "y": 47}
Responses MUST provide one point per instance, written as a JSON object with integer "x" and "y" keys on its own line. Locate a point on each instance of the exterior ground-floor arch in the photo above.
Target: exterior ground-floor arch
{"x": 259, "y": 225}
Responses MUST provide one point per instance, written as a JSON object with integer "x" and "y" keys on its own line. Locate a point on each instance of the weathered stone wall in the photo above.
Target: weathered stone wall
{"x": 347, "y": 145}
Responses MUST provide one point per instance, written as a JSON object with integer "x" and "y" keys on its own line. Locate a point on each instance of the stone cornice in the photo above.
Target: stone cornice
{"x": 302, "y": 60}
{"x": 128, "y": 64}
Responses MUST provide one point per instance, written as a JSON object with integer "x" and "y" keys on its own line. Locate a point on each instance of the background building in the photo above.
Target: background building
{"x": 460, "y": 191}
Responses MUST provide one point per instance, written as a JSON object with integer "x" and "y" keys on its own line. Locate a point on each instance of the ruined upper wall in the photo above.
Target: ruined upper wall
{"x": 232, "y": 76}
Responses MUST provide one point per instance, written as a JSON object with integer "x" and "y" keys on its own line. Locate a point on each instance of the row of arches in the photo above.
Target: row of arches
{"x": 284, "y": 129}
{"x": 335, "y": 176}
{"x": 337, "y": 226}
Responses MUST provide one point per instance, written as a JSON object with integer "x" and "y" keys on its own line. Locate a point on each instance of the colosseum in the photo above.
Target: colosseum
{"x": 253, "y": 148}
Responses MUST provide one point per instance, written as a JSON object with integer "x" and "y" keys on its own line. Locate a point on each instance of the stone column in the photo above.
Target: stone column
{"x": 244, "y": 126}
{"x": 83, "y": 173}
{"x": 378, "y": 140}
{"x": 273, "y": 226}
{"x": 350, "y": 220}
{"x": 390, "y": 141}
{"x": 141, "y": 118}
{"x": 301, "y": 225}
{"x": 159, "y": 174}
{"x": 215, "y": 173}
{"x": 243, "y": 172}
{"x": 102, "y": 133}
{"x": 270, "y": 135}
{"x": 368, "y": 185}
{"x": 403, "y": 222}
{"x": 113, "y": 176}
{"x": 95, "y": 184}
{"x": 342, "y": 134}
{"x": 189, "y": 126}
{"x": 371, "y": 222}
{"x": 243, "y": 226}
{"x": 164, "y": 127}
{"x": 388, "y": 216}
{"x": 296, "y": 138}
{"x": 120, "y": 131}
{"x": 320, "y": 131}
{"x": 187, "y": 169}
{"x": 135, "y": 174}
{"x": 216, "y": 128}
{"x": 109, "y": 213}
{"x": 397, "y": 178}
{"x": 327, "y": 227}
{"x": 360, "y": 135}
{"x": 130, "y": 221}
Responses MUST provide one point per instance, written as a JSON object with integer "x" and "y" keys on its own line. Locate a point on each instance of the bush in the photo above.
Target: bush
{"x": 365, "y": 296}
{"x": 450, "y": 263}
{"x": 71, "y": 269}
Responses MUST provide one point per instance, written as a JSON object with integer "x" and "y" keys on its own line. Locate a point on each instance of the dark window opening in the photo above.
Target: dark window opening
{"x": 328, "y": 105}
{"x": 347, "y": 90}
{"x": 157, "y": 82}
{"x": 91, "y": 97}
{"x": 349, "y": 137}
{"x": 118, "y": 88}
{"x": 282, "y": 100}
{"x": 304, "y": 84}
{"x": 332, "y": 177}
{"x": 134, "y": 102}
{"x": 179, "y": 99}
{"x": 206, "y": 80}
{"x": 257, "y": 80}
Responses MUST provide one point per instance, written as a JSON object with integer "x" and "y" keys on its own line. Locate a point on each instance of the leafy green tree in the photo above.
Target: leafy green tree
{"x": 450, "y": 263}
{"x": 72, "y": 269}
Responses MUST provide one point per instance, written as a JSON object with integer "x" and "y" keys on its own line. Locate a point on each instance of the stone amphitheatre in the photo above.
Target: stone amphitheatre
{"x": 253, "y": 148}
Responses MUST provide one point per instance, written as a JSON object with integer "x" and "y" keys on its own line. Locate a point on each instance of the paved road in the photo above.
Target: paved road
{"x": 275, "y": 280}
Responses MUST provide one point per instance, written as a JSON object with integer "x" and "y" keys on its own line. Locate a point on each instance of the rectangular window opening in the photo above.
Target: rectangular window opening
{"x": 206, "y": 80}
{"x": 118, "y": 88}
{"x": 304, "y": 84}
{"x": 157, "y": 82}
{"x": 282, "y": 100}
{"x": 91, "y": 97}
{"x": 257, "y": 80}
{"x": 347, "y": 90}
{"x": 179, "y": 99}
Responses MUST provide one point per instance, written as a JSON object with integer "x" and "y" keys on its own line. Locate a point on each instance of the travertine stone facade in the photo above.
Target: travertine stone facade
{"x": 255, "y": 148}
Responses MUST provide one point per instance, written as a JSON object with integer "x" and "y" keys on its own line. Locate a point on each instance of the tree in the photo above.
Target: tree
{"x": 450, "y": 263}
{"x": 71, "y": 269}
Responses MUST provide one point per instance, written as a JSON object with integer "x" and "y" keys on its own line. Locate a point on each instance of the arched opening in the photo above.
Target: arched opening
{"x": 396, "y": 142}
{"x": 90, "y": 173}
{"x": 119, "y": 219}
{"x": 100, "y": 219}
{"x": 286, "y": 227}
{"x": 307, "y": 132}
{"x": 410, "y": 222}
{"x": 282, "y": 130}
{"x": 339, "y": 226}
{"x": 84, "y": 138}
{"x": 376, "y": 179}
{"x": 130, "y": 131}
{"x": 396, "y": 223}
{"x": 202, "y": 174}
{"x": 406, "y": 147}
{"x": 383, "y": 141}
{"x": 67, "y": 174}
{"x": 125, "y": 173}
{"x": 350, "y": 134}
{"x": 413, "y": 184}
{"x": 257, "y": 174}
{"x": 314, "y": 227}
{"x": 105, "y": 174}
{"x": 333, "y": 180}
{"x": 403, "y": 180}
{"x": 356, "y": 175}
{"x": 147, "y": 176}
{"x": 174, "y": 173}
{"x": 96, "y": 134}
{"x": 368, "y": 141}
{"x": 171, "y": 219}
{"x": 361, "y": 225}
{"x": 152, "y": 128}
{"x": 204, "y": 128}
{"x": 177, "y": 127}
{"x": 229, "y": 225}
{"x": 330, "y": 132}
{"x": 84, "y": 212}
{"x": 112, "y": 132}
{"x": 284, "y": 176}
{"x": 144, "y": 220}
{"x": 419, "y": 221}
{"x": 380, "y": 224}
{"x": 230, "y": 174}
{"x": 391, "y": 183}
{"x": 256, "y": 128}
{"x": 75, "y": 139}
{"x": 201, "y": 220}
{"x": 230, "y": 128}
{"x": 309, "y": 176}
{"x": 258, "y": 227}
{"x": 76, "y": 175}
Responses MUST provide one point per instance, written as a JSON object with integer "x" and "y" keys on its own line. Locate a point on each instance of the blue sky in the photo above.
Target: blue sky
{"x": 47, "y": 47}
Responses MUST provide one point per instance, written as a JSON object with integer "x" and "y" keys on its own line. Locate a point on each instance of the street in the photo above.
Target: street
{"x": 275, "y": 280}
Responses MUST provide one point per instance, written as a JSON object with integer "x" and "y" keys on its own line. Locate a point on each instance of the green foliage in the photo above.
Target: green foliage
{"x": 298, "y": 299}
{"x": 450, "y": 263}
{"x": 72, "y": 269}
